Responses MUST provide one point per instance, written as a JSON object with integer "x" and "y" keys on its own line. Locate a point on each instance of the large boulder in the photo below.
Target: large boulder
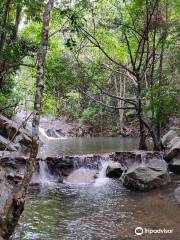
{"x": 173, "y": 142}
{"x": 114, "y": 170}
{"x": 173, "y": 152}
{"x": 168, "y": 137}
{"x": 146, "y": 176}
{"x": 174, "y": 166}
{"x": 14, "y": 134}
{"x": 6, "y": 144}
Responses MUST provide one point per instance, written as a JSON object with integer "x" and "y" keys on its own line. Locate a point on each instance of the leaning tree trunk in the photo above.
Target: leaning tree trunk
{"x": 15, "y": 205}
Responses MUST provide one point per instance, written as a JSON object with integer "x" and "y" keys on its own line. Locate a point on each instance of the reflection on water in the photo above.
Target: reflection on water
{"x": 97, "y": 213}
{"x": 80, "y": 146}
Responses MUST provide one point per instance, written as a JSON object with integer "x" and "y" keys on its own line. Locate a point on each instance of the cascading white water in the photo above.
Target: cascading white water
{"x": 45, "y": 138}
{"x": 43, "y": 176}
{"x": 83, "y": 176}
{"x": 101, "y": 178}
{"x": 143, "y": 159}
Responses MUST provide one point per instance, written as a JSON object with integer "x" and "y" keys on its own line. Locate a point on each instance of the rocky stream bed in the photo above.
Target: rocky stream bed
{"x": 135, "y": 170}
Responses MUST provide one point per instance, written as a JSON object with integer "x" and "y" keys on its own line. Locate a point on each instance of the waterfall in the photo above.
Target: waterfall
{"x": 45, "y": 138}
{"x": 101, "y": 178}
{"x": 83, "y": 176}
{"x": 43, "y": 176}
{"x": 143, "y": 159}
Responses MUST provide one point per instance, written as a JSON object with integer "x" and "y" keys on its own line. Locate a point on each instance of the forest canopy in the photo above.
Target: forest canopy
{"x": 109, "y": 64}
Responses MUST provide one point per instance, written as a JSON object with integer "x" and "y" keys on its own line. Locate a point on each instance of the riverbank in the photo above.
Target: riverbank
{"x": 69, "y": 128}
{"x": 76, "y": 128}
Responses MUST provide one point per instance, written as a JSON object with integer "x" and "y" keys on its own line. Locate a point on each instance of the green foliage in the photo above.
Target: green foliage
{"x": 163, "y": 105}
{"x": 70, "y": 105}
{"x": 100, "y": 118}
{"x": 8, "y": 100}
{"x": 82, "y": 36}
{"x": 89, "y": 116}
{"x": 59, "y": 74}
{"x": 48, "y": 105}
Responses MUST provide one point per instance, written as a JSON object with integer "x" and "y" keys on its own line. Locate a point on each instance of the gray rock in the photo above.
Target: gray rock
{"x": 177, "y": 194}
{"x": 60, "y": 179}
{"x": 6, "y": 144}
{"x": 146, "y": 177}
{"x": 173, "y": 152}
{"x": 174, "y": 166}
{"x": 114, "y": 170}
{"x": 173, "y": 142}
{"x": 168, "y": 137}
{"x": 52, "y": 133}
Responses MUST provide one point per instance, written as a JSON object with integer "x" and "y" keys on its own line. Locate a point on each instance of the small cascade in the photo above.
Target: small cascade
{"x": 88, "y": 162}
{"x": 101, "y": 178}
{"x": 42, "y": 135}
{"x": 83, "y": 176}
{"x": 143, "y": 159}
{"x": 43, "y": 176}
{"x": 45, "y": 138}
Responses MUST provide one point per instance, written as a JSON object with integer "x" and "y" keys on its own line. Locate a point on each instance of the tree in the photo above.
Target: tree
{"x": 143, "y": 39}
{"x": 15, "y": 205}
{"x": 13, "y": 48}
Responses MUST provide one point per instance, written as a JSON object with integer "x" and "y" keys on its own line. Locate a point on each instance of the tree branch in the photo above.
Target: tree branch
{"x": 95, "y": 42}
{"x": 104, "y": 104}
{"x": 14, "y": 65}
{"x": 122, "y": 73}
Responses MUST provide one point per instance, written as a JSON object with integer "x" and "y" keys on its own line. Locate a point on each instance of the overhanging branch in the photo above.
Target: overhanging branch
{"x": 104, "y": 104}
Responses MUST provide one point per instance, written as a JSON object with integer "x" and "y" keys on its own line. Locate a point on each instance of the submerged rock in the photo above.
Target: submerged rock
{"x": 81, "y": 176}
{"x": 174, "y": 166}
{"x": 146, "y": 177}
{"x": 114, "y": 170}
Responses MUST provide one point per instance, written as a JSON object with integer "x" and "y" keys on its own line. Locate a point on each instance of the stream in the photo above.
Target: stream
{"x": 100, "y": 210}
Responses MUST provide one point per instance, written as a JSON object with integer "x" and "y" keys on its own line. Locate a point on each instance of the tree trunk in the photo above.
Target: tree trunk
{"x": 3, "y": 39}
{"x": 142, "y": 141}
{"x": 120, "y": 92}
{"x": 17, "y": 22}
{"x": 4, "y": 24}
{"x": 157, "y": 143}
{"x": 15, "y": 205}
